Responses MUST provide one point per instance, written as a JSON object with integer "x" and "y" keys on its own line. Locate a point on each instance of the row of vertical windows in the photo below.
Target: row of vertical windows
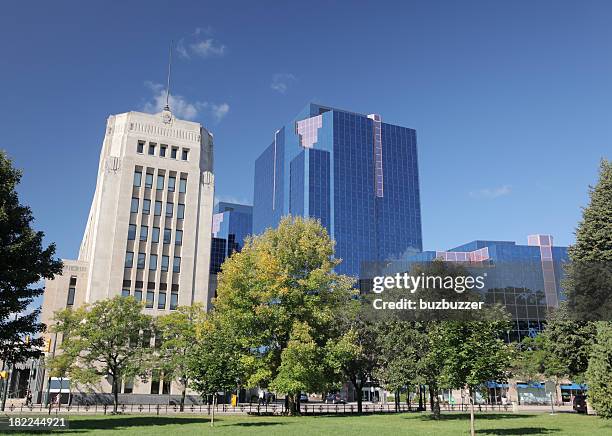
{"x": 144, "y": 233}
{"x": 160, "y": 182}
{"x": 163, "y": 150}
{"x": 157, "y": 211}
{"x": 150, "y": 298}
{"x": 142, "y": 257}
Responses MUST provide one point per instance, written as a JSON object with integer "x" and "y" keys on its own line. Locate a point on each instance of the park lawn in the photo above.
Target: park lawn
{"x": 378, "y": 425}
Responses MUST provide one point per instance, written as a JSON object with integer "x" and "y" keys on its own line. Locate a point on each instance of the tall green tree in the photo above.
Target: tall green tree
{"x": 354, "y": 356}
{"x": 472, "y": 354}
{"x": 401, "y": 346}
{"x": 106, "y": 339}
{"x": 177, "y": 332}
{"x": 589, "y": 290}
{"x": 24, "y": 261}
{"x": 599, "y": 373}
{"x": 215, "y": 362}
{"x": 282, "y": 277}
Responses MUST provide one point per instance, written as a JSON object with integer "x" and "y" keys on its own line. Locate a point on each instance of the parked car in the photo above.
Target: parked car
{"x": 579, "y": 404}
{"x": 334, "y": 399}
{"x": 303, "y": 398}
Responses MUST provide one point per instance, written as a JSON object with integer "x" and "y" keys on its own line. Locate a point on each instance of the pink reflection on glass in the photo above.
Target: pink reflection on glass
{"x": 307, "y": 130}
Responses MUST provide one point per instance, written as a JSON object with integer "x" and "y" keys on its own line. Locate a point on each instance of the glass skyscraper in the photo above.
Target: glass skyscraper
{"x": 354, "y": 173}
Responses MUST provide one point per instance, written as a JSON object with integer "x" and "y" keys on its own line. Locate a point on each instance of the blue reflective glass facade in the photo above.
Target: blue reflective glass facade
{"x": 232, "y": 223}
{"x": 517, "y": 276}
{"x": 322, "y": 164}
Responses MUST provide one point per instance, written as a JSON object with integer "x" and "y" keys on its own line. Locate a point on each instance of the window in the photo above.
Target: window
{"x": 153, "y": 262}
{"x": 155, "y": 381}
{"x": 155, "y": 235}
{"x": 171, "y": 183}
{"x": 70, "y": 301}
{"x": 137, "y": 178}
{"x": 131, "y": 232}
{"x": 140, "y": 147}
{"x": 176, "y": 266}
{"x": 134, "y": 208}
{"x": 125, "y": 292}
{"x": 173, "y": 152}
{"x": 165, "y": 261}
{"x": 150, "y": 298}
{"x": 178, "y": 237}
{"x": 173, "y": 301}
{"x": 138, "y": 294}
{"x": 148, "y": 180}
{"x": 162, "y": 150}
{"x": 128, "y": 386}
{"x": 158, "y": 207}
{"x": 160, "y": 182}
{"x": 129, "y": 259}
{"x": 151, "y": 149}
{"x": 146, "y": 206}
{"x": 180, "y": 211}
{"x": 161, "y": 300}
{"x": 144, "y": 231}
{"x": 165, "y": 387}
{"x": 167, "y": 236}
{"x": 185, "y": 154}
{"x": 183, "y": 186}
{"x": 169, "y": 209}
{"x": 141, "y": 260}
{"x": 73, "y": 280}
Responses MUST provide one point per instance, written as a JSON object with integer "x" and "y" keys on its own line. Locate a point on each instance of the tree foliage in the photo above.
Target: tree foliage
{"x": 599, "y": 373}
{"x": 178, "y": 334}
{"x": 280, "y": 290}
{"x": 106, "y": 339}
{"x": 24, "y": 261}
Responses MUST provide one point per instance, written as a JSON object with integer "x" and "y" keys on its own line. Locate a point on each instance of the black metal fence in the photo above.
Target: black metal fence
{"x": 248, "y": 408}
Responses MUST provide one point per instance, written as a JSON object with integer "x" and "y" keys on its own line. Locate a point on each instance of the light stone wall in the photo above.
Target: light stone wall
{"x": 100, "y": 268}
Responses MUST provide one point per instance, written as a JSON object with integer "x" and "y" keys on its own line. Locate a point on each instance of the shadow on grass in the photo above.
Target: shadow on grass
{"x": 81, "y": 425}
{"x": 519, "y": 431}
{"x": 256, "y": 424}
{"x": 479, "y": 416}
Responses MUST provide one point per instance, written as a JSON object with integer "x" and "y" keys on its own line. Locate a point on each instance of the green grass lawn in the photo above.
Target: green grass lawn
{"x": 376, "y": 425}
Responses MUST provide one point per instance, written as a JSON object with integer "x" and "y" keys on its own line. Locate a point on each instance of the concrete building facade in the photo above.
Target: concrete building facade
{"x": 148, "y": 234}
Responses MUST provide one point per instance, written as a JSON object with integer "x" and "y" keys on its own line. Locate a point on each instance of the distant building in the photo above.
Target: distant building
{"x": 232, "y": 223}
{"x": 353, "y": 172}
{"x": 526, "y": 279}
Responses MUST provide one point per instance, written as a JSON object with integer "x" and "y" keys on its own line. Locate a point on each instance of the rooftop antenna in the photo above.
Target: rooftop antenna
{"x": 167, "y": 107}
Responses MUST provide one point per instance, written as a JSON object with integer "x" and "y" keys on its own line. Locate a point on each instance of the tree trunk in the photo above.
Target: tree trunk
{"x": 421, "y": 408}
{"x": 214, "y": 404}
{"x": 408, "y": 397}
{"x": 292, "y": 404}
{"x": 435, "y": 401}
{"x": 359, "y": 389}
{"x": 397, "y": 400}
{"x": 183, "y": 393}
{"x": 115, "y": 394}
{"x": 472, "y": 400}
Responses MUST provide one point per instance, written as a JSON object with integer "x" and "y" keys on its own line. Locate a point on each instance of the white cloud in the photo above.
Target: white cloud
{"x": 180, "y": 106}
{"x": 282, "y": 81}
{"x": 219, "y": 110}
{"x": 182, "y": 50}
{"x": 495, "y": 192}
{"x": 207, "y": 48}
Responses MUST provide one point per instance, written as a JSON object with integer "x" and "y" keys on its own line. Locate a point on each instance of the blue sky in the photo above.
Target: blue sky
{"x": 510, "y": 100}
